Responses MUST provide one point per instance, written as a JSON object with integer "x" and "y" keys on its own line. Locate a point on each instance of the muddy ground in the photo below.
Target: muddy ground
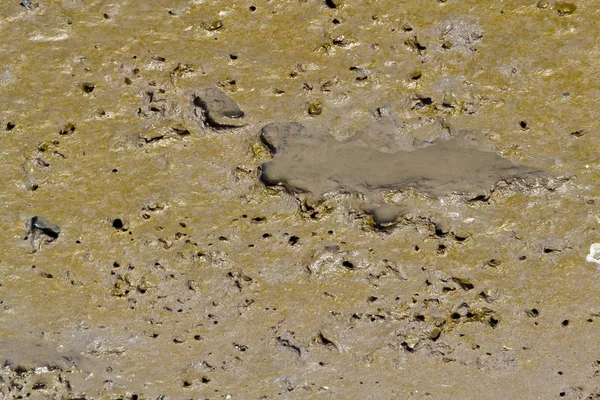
{"x": 167, "y": 265}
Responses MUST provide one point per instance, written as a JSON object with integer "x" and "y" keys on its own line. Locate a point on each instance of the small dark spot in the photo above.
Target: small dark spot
{"x": 223, "y": 238}
{"x": 336, "y": 21}
{"x": 494, "y": 262}
{"x": 252, "y": 8}
{"x": 420, "y": 317}
{"x": 523, "y": 124}
{"x": 417, "y": 248}
{"x": 578, "y": 133}
{"x": 560, "y": 372}
{"x": 371, "y": 299}
{"x": 197, "y": 337}
{"x": 565, "y": 322}
{"x": 522, "y": 258}
{"x": 128, "y": 81}
{"x": 266, "y": 235}
{"x": 46, "y": 275}
{"x": 259, "y": 219}
{"x": 293, "y": 240}
{"x": 233, "y": 56}
{"x": 441, "y": 249}
{"x": 78, "y": 241}
{"x": 455, "y": 315}
{"x": 562, "y": 394}
{"x": 348, "y": 264}
{"x": 117, "y": 223}
{"x": 534, "y": 312}
{"x": 88, "y": 87}
{"x": 493, "y": 321}
{"x": 106, "y": 16}
{"x": 205, "y": 379}
{"x": 330, "y": 232}
{"x": 114, "y": 170}
{"x": 590, "y": 320}
{"x": 10, "y": 126}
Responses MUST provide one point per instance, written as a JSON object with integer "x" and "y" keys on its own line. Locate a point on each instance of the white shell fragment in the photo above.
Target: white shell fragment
{"x": 594, "y": 256}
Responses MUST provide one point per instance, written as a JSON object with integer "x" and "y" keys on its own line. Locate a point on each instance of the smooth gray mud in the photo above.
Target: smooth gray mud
{"x": 313, "y": 162}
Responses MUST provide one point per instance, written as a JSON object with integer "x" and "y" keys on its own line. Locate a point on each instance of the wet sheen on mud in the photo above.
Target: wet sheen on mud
{"x": 159, "y": 265}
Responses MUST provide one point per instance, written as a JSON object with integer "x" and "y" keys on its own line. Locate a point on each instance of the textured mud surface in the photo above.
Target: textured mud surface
{"x": 420, "y": 232}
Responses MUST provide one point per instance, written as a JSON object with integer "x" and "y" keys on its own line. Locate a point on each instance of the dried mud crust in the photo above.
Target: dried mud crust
{"x": 170, "y": 264}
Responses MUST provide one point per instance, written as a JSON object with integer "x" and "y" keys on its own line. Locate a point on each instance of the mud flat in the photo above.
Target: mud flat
{"x": 301, "y": 199}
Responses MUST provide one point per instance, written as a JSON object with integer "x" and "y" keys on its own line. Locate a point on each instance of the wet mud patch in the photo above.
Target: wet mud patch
{"x": 314, "y": 163}
{"x": 37, "y": 369}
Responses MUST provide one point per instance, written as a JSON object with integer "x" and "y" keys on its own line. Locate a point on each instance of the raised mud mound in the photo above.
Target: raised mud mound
{"x": 314, "y": 162}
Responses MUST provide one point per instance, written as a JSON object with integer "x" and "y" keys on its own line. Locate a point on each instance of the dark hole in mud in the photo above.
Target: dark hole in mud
{"x": 336, "y": 21}
{"x": 348, "y": 264}
{"x": 293, "y": 240}
{"x": 117, "y": 223}
{"x": 252, "y": 8}
{"x": 455, "y": 315}
{"x": 523, "y": 124}
{"x": 10, "y": 126}
{"x": 223, "y": 238}
{"x": 494, "y": 262}
{"x": 266, "y": 235}
{"x": 88, "y": 87}
{"x": 565, "y": 322}
{"x": 534, "y": 312}
{"x": 493, "y": 322}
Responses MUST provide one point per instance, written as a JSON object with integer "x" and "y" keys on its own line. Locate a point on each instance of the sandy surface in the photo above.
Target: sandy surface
{"x": 164, "y": 268}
